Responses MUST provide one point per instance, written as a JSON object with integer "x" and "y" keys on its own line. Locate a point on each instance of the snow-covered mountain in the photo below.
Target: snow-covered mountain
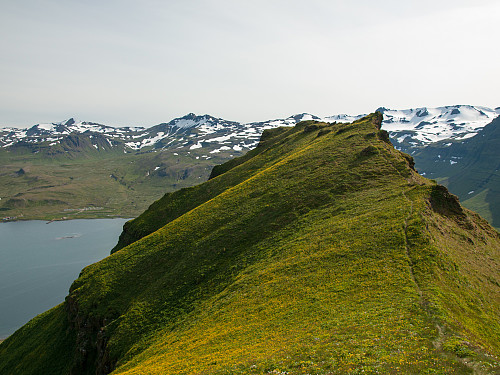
{"x": 421, "y": 126}
{"x": 55, "y": 132}
{"x": 190, "y": 132}
{"x": 408, "y": 129}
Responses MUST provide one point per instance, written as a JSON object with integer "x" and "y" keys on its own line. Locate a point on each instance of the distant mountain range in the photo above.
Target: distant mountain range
{"x": 407, "y": 128}
{"x": 421, "y": 132}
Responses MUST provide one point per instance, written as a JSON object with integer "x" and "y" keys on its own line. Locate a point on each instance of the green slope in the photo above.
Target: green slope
{"x": 322, "y": 252}
{"x": 173, "y": 205}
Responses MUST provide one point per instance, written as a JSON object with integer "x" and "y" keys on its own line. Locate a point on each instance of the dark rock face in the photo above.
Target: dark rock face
{"x": 382, "y": 109}
{"x": 91, "y": 340}
{"x": 422, "y": 113}
{"x": 445, "y": 203}
{"x": 377, "y": 119}
{"x": 71, "y": 121}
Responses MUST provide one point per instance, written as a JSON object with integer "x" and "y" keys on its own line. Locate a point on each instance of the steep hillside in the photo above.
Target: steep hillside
{"x": 173, "y": 205}
{"x": 470, "y": 168}
{"x": 322, "y": 252}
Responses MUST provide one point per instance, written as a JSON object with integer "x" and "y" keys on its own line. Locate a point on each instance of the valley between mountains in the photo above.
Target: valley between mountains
{"x": 320, "y": 251}
{"x": 87, "y": 170}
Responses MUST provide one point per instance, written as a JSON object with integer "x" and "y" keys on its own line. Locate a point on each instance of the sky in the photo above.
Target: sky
{"x": 140, "y": 63}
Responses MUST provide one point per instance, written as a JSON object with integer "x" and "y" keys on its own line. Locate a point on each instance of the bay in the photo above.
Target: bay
{"x": 39, "y": 261}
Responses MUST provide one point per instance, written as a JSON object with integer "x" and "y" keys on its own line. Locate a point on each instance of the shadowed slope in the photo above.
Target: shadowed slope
{"x": 470, "y": 168}
{"x": 322, "y": 253}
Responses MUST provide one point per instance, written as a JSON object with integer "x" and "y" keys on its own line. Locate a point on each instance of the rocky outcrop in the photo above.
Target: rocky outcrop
{"x": 91, "y": 355}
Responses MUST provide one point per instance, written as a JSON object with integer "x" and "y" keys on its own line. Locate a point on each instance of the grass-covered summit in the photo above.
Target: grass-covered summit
{"x": 320, "y": 252}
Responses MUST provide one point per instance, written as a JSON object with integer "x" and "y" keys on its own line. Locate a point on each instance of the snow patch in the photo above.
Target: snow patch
{"x": 194, "y": 147}
{"x": 223, "y": 148}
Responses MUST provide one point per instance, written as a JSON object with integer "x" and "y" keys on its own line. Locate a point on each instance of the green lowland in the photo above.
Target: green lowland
{"x": 74, "y": 180}
{"x": 321, "y": 251}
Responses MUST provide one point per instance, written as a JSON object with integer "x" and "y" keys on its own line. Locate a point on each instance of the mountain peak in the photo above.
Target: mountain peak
{"x": 304, "y": 117}
{"x": 71, "y": 121}
{"x": 189, "y": 116}
{"x": 188, "y": 121}
{"x": 381, "y": 109}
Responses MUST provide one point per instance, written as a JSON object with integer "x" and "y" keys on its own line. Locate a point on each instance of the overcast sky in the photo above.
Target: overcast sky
{"x": 131, "y": 62}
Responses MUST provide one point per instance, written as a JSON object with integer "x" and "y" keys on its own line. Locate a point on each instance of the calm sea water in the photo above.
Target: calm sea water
{"x": 39, "y": 261}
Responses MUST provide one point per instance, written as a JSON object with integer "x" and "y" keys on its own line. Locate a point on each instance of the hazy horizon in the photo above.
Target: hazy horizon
{"x": 228, "y": 119}
{"x": 132, "y": 63}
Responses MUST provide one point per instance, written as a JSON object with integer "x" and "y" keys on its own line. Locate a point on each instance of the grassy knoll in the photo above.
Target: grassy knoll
{"x": 322, "y": 252}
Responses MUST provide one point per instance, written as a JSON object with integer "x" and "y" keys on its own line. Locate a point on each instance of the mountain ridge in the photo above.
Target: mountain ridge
{"x": 147, "y": 162}
{"x": 322, "y": 252}
{"x": 420, "y": 125}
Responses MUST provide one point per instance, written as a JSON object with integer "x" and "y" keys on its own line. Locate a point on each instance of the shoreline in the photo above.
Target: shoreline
{"x": 51, "y": 220}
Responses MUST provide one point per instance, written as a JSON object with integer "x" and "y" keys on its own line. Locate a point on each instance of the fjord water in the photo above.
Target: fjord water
{"x": 39, "y": 261}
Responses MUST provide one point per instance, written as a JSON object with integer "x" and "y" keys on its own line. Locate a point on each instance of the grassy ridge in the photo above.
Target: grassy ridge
{"x": 173, "y": 205}
{"x": 321, "y": 253}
